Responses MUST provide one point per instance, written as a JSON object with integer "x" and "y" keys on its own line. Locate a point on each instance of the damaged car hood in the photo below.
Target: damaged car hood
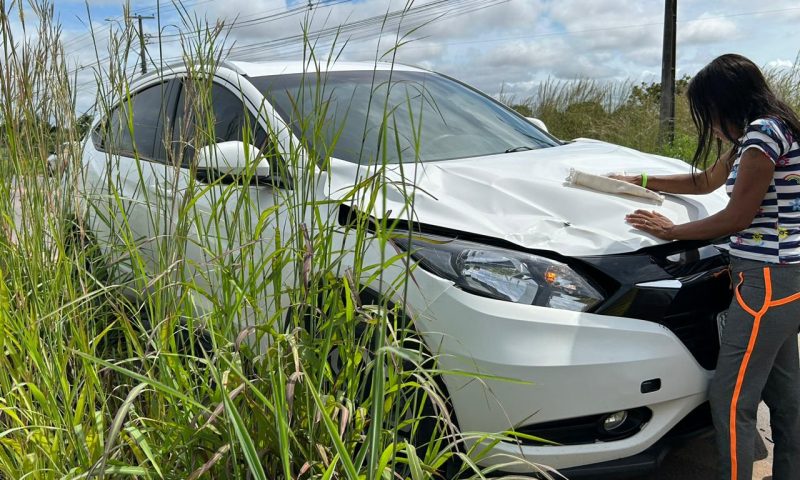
{"x": 523, "y": 198}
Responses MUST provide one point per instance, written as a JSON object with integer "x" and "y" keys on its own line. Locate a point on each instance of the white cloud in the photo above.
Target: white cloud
{"x": 707, "y": 29}
{"x": 645, "y": 57}
{"x": 587, "y": 14}
{"x": 790, "y": 15}
{"x": 517, "y": 43}
{"x": 630, "y": 39}
{"x": 783, "y": 64}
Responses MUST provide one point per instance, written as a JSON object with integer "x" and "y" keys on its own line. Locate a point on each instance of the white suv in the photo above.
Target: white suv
{"x": 613, "y": 332}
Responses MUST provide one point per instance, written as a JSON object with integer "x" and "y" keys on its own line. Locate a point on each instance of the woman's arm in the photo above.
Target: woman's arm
{"x": 688, "y": 183}
{"x": 752, "y": 182}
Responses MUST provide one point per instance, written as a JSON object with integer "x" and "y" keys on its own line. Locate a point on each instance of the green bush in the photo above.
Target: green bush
{"x": 627, "y": 114}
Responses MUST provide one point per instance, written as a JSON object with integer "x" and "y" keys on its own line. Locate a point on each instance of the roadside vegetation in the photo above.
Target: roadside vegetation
{"x": 626, "y": 113}
{"x": 220, "y": 370}
{"x": 177, "y": 380}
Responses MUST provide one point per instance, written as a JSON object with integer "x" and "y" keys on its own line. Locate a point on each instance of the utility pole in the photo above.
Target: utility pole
{"x": 142, "y": 50}
{"x": 666, "y": 131}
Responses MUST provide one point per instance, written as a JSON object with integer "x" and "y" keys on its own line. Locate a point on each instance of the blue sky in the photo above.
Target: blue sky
{"x": 509, "y": 44}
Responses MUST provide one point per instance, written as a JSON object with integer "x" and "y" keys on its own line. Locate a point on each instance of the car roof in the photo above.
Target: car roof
{"x": 259, "y": 69}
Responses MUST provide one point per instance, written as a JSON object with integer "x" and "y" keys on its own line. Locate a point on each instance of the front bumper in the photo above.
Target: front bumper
{"x": 539, "y": 365}
{"x": 697, "y": 423}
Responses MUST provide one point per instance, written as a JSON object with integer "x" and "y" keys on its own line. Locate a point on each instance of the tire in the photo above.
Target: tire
{"x": 429, "y": 413}
{"x": 426, "y": 429}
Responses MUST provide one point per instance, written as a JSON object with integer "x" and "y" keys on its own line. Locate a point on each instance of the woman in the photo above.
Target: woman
{"x": 731, "y": 101}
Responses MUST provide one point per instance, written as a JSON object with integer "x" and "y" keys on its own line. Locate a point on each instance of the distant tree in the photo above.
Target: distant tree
{"x": 82, "y": 124}
{"x": 649, "y": 94}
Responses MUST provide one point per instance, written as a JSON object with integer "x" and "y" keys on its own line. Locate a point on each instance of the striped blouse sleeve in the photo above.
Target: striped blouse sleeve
{"x": 767, "y": 135}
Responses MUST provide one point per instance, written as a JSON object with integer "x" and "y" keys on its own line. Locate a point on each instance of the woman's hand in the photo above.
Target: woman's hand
{"x": 653, "y": 223}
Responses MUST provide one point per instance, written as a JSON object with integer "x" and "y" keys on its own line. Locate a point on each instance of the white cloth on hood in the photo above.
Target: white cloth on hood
{"x": 605, "y": 184}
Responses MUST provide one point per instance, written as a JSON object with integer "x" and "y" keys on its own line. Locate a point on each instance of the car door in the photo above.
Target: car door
{"x": 227, "y": 229}
{"x": 127, "y": 174}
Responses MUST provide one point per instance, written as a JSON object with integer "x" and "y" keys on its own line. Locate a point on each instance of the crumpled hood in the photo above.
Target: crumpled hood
{"x": 522, "y": 197}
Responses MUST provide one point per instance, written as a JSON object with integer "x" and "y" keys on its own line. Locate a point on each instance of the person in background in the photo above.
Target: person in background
{"x": 731, "y": 102}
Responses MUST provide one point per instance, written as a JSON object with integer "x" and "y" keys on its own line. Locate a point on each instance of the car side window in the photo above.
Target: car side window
{"x": 230, "y": 116}
{"x": 132, "y": 127}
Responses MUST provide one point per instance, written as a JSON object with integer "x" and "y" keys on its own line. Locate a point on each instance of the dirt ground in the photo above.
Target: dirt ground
{"x": 697, "y": 459}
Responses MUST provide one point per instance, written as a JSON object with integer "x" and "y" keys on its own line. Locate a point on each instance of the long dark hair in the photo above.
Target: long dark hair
{"x": 732, "y": 91}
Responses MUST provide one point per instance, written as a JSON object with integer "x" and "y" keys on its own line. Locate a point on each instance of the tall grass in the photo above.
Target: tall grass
{"x": 267, "y": 359}
{"x": 626, "y": 113}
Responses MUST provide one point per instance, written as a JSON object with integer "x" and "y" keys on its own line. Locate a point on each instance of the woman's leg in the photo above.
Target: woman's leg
{"x": 782, "y": 396}
{"x": 756, "y": 331}
{"x": 782, "y": 391}
{"x": 736, "y": 451}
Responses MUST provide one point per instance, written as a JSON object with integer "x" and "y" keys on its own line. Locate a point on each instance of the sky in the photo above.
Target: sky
{"x": 495, "y": 45}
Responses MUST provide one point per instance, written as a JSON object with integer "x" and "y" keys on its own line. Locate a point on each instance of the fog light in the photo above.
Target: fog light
{"x": 614, "y": 420}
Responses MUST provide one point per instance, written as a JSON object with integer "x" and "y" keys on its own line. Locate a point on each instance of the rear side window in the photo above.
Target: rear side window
{"x": 231, "y": 120}
{"x": 133, "y": 127}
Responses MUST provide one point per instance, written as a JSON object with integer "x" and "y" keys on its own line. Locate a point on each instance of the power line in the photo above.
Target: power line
{"x": 369, "y": 27}
{"x": 594, "y": 30}
{"x": 239, "y": 24}
{"x": 248, "y": 22}
{"x": 558, "y": 33}
{"x": 500, "y": 39}
{"x": 412, "y": 18}
{"x": 365, "y": 27}
{"x": 372, "y": 26}
{"x": 88, "y": 37}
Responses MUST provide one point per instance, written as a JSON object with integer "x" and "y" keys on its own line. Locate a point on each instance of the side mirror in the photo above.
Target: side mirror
{"x": 538, "y": 123}
{"x": 230, "y": 161}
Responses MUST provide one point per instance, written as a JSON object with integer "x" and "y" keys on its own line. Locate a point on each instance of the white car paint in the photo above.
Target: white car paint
{"x": 522, "y": 197}
{"x": 572, "y": 364}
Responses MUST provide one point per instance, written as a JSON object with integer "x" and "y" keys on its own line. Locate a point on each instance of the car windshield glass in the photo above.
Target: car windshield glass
{"x": 373, "y": 117}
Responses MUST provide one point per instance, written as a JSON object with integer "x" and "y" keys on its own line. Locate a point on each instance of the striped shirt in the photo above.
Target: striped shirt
{"x": 774, "y": 234}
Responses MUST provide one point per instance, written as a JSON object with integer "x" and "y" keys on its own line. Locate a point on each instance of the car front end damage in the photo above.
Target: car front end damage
{"x": 606, "y": 389}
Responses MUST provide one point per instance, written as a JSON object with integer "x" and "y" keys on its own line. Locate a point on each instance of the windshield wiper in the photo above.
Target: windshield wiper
{"x": 518, "y": 149}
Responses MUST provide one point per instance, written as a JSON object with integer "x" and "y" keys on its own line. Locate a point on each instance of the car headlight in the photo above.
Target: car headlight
{"x": 503, "y": 274}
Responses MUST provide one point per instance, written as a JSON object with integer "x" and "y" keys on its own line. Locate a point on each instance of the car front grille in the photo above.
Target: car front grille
{"x": 705, "y": 292}
{"x": 690, "y": 311}
{"x": 692, "y": 315}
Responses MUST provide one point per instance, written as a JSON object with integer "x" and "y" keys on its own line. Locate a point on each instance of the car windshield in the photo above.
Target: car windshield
{"x": 372, "y": 117}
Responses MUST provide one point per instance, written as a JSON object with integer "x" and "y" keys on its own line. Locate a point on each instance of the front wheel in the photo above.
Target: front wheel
{"x": 414, "y": 397}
